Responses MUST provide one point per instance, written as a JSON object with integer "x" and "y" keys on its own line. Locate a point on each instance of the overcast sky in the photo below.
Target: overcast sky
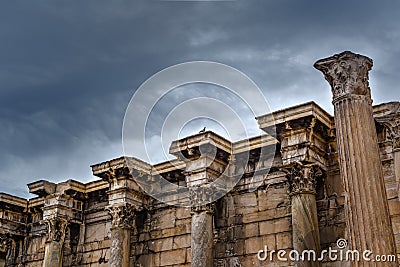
{"x": 69, "y": 68}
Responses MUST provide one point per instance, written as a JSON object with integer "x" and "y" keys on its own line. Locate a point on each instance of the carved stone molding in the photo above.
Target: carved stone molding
{"x": 303, "y": 178}
{"x": 123, "y": 216}
{"x": 56, "y": 229}
{"x": 5, "y": 242}
{"x": 200, "y": 198}
{"x": 209, "y": 208}
{"x": 392, "y": 128}
{"x": 347, "y": 73}
{"x": 109, "y": 175}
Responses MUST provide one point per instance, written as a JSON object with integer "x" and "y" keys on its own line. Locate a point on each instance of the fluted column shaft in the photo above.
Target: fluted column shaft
{"x": 202, "y": 236}
{"x": 369, "y": 223}
{"x": 302, "y": 181}
{"x": 120, "y": 247}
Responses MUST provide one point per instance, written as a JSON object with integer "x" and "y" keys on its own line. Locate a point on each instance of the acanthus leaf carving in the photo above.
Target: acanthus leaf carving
{"x": 200, "y": 199}
{"x": 303, "y": 178}
{"x": 5, "y": 243}
{"x": 8, "y": 247}
{"x": 123, "y": 215}
{"x": 56, "y": 228}
{"x": 392, "y": 128}
{"x": 347, "y": 73}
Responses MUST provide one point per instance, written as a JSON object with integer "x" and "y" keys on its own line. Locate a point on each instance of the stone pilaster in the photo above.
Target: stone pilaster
{"x": 56, "y": 228}
{"x": 123, "y": 218}
{"x": 360, "y": 165}
{"x": 302, "y": 181}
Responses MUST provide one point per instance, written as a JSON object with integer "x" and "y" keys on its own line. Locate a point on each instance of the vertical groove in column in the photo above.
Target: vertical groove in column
{"x": 370, "y": 190}
{"x": 366, "y": 187}
{"x": 382, "y": 189}
{"x": 348, "y": 158}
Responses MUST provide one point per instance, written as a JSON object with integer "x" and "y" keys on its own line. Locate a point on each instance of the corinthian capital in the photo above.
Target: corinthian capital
{"x": 201, "y": 198}
{"x": 347, "y": 73}
{"x": 56, "y": 227}
{"x": 123, "y": 215}
{"x": 303, "y": 178}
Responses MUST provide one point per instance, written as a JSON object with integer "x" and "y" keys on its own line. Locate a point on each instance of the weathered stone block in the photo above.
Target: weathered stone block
{"x": 251, "y": 230}
{"x": 182, "y": 241}
{"x": 394, "y": 207}
{"x": 269, "y": 241}
{"x": 253, "y": 245}
{"x": 182, "y": 213}
{"x": 284, "y": 240}
{"x": 161, "y": 244}
{"x": 275, "y": 226}
{"x": 173, "y": 257}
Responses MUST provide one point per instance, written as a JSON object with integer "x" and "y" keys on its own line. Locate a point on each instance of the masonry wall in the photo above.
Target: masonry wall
{"x": 255, "y": 214}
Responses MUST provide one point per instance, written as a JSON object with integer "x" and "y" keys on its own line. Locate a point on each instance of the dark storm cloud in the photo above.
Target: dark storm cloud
{"x": 68, "y": 69}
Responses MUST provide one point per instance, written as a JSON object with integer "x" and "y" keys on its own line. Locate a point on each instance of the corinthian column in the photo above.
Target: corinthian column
{"x": 302, "y": 180}
{"x": 122, "y": 222}
{"x": 53, "y": 255}
{"x": 360, "y": 165}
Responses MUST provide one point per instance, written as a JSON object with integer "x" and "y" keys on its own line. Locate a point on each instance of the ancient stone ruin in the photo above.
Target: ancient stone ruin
{"x": 320, "y": 179}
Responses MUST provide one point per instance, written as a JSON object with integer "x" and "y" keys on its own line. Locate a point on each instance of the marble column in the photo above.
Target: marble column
{"x": 368, "y": 218}
{"x": 53, "y": 255}
{"x": 202, "y": 241}
{"x": 302, "y": 181}
{"x": 123, "y": 217}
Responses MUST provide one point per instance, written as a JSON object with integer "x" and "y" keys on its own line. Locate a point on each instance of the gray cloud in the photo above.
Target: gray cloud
{"x": 68, "y": 70}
